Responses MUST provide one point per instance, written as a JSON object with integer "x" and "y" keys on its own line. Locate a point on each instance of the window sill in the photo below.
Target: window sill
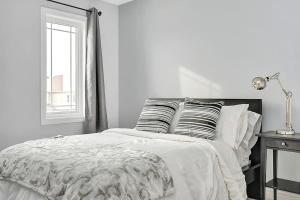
{"x": 49, "y": 121}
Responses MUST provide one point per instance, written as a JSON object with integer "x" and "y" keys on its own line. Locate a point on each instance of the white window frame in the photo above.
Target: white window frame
{"x": 78, "y": 21}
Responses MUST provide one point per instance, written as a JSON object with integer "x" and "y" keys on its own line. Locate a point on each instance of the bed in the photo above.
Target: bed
{"x": 252, "y": 172}
{"x": 128, "y": 164}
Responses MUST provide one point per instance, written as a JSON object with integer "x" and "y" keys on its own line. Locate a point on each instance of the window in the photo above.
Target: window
{"x": 63, "y": 61}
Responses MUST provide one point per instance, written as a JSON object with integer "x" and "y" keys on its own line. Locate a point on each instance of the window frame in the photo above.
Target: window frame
{"x": 80, "y": 22}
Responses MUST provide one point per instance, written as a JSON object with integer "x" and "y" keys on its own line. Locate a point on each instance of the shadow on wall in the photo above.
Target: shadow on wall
{"x": 192, "y": 84}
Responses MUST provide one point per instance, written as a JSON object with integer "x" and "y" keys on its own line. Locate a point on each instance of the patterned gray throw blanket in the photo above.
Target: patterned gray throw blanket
{"x": 68, "y": 169}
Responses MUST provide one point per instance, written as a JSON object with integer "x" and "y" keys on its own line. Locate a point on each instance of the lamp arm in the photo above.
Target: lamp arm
{"x": 288, "y": 95}
{"x": 285, "y": 91}
{"x": 276, "y": 77}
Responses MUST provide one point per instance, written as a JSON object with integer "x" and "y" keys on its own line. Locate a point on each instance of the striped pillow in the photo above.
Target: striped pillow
{"x": 199, "y": 119}
{"x": 157, "y": 115}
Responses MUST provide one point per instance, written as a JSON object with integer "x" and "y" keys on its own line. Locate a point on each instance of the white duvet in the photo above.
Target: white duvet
{"x": 201, "y": 169}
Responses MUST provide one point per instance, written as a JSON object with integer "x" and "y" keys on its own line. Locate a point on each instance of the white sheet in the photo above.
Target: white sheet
{"x": 201, "y": 169}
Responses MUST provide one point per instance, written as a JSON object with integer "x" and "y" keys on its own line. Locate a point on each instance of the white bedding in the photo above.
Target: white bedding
{"x": 201, "y": 169}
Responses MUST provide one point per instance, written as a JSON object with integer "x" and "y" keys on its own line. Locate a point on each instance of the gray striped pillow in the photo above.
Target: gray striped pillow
{"x": 199, "y": 119}
{"x": 157, "y": 115}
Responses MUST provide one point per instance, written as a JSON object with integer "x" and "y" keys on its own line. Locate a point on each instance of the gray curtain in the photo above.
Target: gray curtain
{"x": 95, "y": 109}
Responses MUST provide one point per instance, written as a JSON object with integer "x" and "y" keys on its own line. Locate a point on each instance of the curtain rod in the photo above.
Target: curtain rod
{"x": 64, "y": 4}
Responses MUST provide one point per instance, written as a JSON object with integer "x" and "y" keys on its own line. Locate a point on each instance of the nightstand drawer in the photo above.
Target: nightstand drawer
{"x": 283, "y": 144}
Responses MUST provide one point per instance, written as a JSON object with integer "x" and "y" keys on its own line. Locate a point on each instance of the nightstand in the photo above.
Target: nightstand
{"x": 271, "y": 140}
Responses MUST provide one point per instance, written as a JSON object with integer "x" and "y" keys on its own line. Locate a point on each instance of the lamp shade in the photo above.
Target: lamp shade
{"x": 259, "y": 83}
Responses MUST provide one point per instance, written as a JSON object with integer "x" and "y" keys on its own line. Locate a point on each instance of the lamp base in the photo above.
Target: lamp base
{"x": 285, "y": 132}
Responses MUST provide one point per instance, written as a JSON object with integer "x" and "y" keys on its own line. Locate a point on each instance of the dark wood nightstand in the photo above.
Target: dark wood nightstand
{"x": 271, "y": 140}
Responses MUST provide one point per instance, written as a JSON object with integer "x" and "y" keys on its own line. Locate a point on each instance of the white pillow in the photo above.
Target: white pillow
{"x": 254, "y": 125}
{"x": 232, "y": 124}
{"x": 249, "y": 140}
{"x": 176, "y": 118}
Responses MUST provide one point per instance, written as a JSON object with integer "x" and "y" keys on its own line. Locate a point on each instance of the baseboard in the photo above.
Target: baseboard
{"x": 280, "y": 195}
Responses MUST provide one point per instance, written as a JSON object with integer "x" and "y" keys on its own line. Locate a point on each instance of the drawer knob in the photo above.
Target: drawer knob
{"x": 283, "y": 144}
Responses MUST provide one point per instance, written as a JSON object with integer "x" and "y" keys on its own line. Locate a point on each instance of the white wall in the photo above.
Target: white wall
{"x": 200, "y": 48}
{"x": 20, "y": 68}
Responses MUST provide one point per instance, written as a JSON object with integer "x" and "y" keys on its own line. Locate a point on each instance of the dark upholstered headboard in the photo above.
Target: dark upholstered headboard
{"x": 255, "y": 105}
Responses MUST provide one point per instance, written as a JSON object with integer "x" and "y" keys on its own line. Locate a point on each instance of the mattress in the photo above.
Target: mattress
{"x": 201, "y": 169}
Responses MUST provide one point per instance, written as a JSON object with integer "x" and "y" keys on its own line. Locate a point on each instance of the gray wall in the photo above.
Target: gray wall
{"x": 20, "y": 68}
{"x": 200, "y": 48}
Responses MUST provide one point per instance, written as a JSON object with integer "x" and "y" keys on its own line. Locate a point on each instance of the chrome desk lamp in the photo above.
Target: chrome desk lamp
{"x": 260, "y": 83}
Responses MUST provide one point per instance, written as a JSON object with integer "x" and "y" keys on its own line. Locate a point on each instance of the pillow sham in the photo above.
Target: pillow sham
{"x": 157, "y": 115}
{"x": 199, "y": 119}
{"x": 232, "y": 124}
{"x": 250, "y": 139}
{"x": 254, "y": 125}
